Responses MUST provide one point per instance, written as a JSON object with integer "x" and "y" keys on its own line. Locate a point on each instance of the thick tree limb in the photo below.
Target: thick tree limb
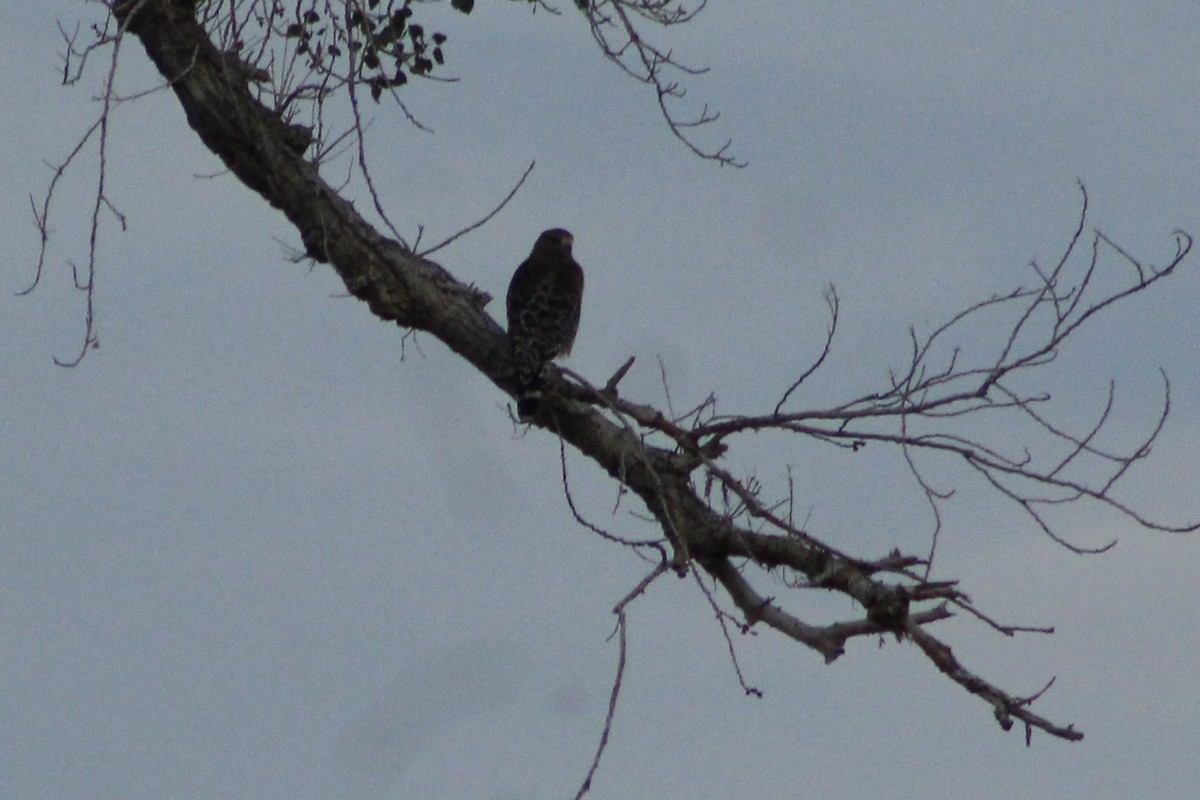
{"x": 268, "y": 155}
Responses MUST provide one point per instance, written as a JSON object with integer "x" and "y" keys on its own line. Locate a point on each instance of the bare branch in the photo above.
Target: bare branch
{"x": 831, "y": 300}
{"x": 623, "y": 43}
{"x": 925, "y": 392}
{"x": 610, "y": 387}
{"x": 42, "y": 218}
{"x": 656, "y": 544}
{"x": 101, "y": 201}
{"x": 487, "y": 217}
{"x": 724, "y": 618}
{"x": 1005, "y": 706}
{"x": 622, "y": 651}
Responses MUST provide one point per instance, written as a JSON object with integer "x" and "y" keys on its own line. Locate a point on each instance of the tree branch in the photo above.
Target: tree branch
{"x": 718, "y": 523}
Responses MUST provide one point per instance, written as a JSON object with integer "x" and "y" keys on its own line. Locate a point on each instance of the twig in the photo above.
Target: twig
{"x": 611, "y": 712}
{"x": 486, "y": 218}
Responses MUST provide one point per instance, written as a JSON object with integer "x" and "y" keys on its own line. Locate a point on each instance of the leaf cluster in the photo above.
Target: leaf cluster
{"x": 379, "y": 40}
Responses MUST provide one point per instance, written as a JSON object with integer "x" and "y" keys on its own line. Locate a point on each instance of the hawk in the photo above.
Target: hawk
{"x": 544, "y": 301}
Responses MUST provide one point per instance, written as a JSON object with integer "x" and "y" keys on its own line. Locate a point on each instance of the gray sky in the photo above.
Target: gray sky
{"x": 248, "y": 551}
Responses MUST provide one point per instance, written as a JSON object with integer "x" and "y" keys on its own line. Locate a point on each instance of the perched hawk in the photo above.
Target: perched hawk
{"x": 544, "y": 300}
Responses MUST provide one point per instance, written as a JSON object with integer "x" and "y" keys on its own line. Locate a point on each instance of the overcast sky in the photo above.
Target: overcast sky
{"x": 253, "y": 548}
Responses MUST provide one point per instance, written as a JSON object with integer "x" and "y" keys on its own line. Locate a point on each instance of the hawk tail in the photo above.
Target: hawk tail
{"x": 527, "y": 405}
{"x": 528, "y": 368}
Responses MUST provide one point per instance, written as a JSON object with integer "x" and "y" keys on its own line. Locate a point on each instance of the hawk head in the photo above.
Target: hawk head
{"x": 555, "y": 241}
